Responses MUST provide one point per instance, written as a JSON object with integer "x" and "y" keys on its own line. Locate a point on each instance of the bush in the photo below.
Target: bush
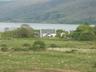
{"x": 71, "y": 51}
{"x": 20, "y": 49}
{"x": 17, "y": 49}
{"x": 26, "y": 46}
{"x": 4, "y": 47}
{"x": 53, "y": 45}
{"x": 39, "y": 45}
{"x": 94, "y": 65}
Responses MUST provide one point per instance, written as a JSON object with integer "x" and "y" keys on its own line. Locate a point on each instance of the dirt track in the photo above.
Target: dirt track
{"x": 47, "y": 70}
{"x": 70, "y": 49}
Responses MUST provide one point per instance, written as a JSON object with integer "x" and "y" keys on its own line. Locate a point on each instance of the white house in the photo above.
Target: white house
{"x": 47, "y": 33}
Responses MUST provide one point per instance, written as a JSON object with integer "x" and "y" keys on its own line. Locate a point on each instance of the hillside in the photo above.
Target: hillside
{"x": 49, "y": 11}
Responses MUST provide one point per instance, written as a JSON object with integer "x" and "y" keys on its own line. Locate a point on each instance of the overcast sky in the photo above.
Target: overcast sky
{"x": 22, "y": 0}
{"x": 5, "y": 0}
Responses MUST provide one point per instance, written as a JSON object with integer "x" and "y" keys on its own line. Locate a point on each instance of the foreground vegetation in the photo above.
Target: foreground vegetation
{"x": 22, "y": 50}
{"x": 50, "y": 43}
{"x": 28, "y": 61}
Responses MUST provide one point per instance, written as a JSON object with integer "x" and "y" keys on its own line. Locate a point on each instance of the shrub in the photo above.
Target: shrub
{"x": 94, "y": 65}
{"x": 4, "y": 47}
{"x": 26, "y": 46}
{"x": 21, "y": 49}
{"x": 38, "y": 45}
{"x": 17, "y": 49}
{"x": 71, "y": 51}
{"x": 53, "y": 45}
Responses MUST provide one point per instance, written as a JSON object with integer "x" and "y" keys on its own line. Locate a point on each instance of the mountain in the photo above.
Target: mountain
{"x": 48, "y": 11}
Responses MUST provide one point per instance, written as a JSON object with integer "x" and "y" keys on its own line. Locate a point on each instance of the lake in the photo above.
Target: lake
{"x": 67, "y": 27}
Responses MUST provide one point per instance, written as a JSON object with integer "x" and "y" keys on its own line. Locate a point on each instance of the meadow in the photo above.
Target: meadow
{"x": 48, "y": 61}
{"x": 60, "y": 43}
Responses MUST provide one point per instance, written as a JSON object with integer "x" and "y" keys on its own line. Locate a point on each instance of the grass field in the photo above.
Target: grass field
{"x": 16, "y": 43}
{"x": 49, "y": 61}
{"x": 28, "y": 61}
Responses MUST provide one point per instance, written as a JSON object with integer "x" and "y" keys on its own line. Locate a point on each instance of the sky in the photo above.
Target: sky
{"x": 21, "y": 3}
{"x": 26, "y": 1}
{"x": 5, "y": 0}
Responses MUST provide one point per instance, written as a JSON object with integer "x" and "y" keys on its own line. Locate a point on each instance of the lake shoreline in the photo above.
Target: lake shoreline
{"x": 66, "y": 27}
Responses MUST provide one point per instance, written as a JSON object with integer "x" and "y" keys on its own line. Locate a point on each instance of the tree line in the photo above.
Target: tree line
{"x": 84, "y": 32}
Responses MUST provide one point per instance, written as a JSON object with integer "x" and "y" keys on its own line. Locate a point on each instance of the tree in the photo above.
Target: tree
{"x": 94, "y": 28}
{"x": 25, "y": 31}
{"x": 84, "y": 32}
{"x": 58, "y": 33}
{"x": 6, "y": 34}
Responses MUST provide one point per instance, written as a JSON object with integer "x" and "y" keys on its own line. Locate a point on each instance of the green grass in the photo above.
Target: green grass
{"x": 16, "y": 43}
{"x": 14, "y": 61}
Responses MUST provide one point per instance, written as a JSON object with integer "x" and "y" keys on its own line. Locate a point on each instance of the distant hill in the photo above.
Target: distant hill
{"x": 49, "y": 11}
